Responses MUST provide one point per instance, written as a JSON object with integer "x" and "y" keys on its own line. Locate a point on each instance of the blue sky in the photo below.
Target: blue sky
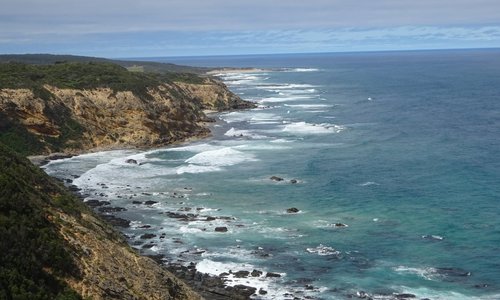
{"x": 126, "y": 28}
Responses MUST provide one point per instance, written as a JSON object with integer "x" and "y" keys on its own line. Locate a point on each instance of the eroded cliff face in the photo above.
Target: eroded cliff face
{"x": 214, "y": 95}
{"x": 74, "y": 119}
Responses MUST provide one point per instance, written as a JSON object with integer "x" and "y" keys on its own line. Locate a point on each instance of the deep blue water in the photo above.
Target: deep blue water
{"x": 403, "y": 147}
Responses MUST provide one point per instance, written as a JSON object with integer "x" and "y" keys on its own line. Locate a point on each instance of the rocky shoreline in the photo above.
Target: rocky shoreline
{"x": 208, "y": 286}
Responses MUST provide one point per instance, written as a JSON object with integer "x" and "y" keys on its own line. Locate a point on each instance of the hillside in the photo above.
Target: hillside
{"x": 143, "y": 66}
{"x": 81, "y": 106}
{"x": 54, "y": 247}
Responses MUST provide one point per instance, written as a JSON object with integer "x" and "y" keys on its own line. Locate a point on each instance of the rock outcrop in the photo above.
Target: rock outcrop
{"x": 64, "y": 119}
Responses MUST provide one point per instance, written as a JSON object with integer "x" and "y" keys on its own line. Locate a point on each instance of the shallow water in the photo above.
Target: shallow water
{"x": 402, "y": 148}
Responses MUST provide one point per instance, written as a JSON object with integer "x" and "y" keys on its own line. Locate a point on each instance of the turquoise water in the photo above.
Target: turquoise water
{"x": 403, "y": 148}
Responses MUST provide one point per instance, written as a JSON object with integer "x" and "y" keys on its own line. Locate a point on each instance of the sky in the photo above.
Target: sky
{"x": 159, "y": 28}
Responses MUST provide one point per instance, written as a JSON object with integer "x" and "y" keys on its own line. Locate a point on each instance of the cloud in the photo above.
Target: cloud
{"x": 157, "y": 27}
{"x": 91, "y": 16}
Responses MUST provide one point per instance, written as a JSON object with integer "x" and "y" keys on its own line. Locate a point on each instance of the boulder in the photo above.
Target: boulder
{"x": 241, "y": 274}
{"x": 292, "y": 210}
{"x": 131, "y": 161}
{"x": 276, "y": 178}
{"x": 147, "y": 236}
{"x": 221, "y": 229}
{"x": 271, "y": 274}
{"x": 150, "y": 202}
{"x": 293, "y": 181}
{"x": 256, "y": 273}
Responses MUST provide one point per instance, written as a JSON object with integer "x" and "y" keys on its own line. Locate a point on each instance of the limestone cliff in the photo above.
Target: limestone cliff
{"x": 54, "y": 247}
{"x": 69, "y": 119}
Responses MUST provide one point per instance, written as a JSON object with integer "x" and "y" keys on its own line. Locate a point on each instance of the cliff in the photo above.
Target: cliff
{"x": 54, "y": 247}
{"x": 80, "y": 106}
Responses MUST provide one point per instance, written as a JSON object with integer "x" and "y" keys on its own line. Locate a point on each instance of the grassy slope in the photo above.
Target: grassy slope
{"x": 33, "y": 255}
{"x": 146, "y": 66}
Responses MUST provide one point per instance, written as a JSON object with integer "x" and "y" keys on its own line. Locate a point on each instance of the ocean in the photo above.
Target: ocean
{"x": 389, "y": 162}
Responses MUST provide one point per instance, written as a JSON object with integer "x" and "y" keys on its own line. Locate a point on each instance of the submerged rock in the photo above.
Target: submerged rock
{"x": 276, "y": 178}
{"x": 131, "y": 161}
{"x": 221, "y": 229}
{"x": 292, "y": 210}
{"x": 271, "y": 274}
{"x": 241, "y": 274}
{"x": 147, "y": 236}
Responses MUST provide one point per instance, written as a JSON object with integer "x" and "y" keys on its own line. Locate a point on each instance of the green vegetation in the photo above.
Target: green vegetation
{"x": 85, "y": 76}
{"x": 145, "y": 66}
{"x": 33, "y": 256}
{"x": 18, "y": 138}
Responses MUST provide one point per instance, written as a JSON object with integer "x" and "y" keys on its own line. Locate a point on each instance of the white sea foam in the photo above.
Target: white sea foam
{"x": 226, "y": 156}
{"x": 244, "y": 133}
{"x": 286, "y": 86}
{"x": 196, "y": 169}
{"x": 284, "y": 99}
{"x": 301, "y": 70}
{"x": 427, "y": 273}
{"x": 308, "y": 128}
{"x": 274, "y": 291}
{"x": 195, "y": 148}
{"x": 310, "y": 106}
{"x": 249, "y": 116}
{"x": 368, "y": 183}
{"x": 323, "y": 250}
{"x": 428, "y": 293}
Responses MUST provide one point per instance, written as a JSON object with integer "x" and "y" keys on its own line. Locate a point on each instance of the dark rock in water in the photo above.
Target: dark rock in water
{"x": 256, "y": 273}
{"x": 108, "y": 209}
{"x": 404, "y": 296}
{"x": 145, "y": 226}
{"x": 183, "y": 217}
{"x": 150, "y": 202}
{"x": 262, "y": 292}
{"x": 185, "y": 209}
{"x": 293, "y": 181}
{"x": 96, "y": 203}
{"x": 115, "y": 221}
{"x": 221, "y": 229}
{"x": 481, "y": 286}
{"x": 148, "y": 246}
{"x": 224, "y": 274}
{"x": 146, "y": 194}
{"x": 67, "y": 180}
{"x": 309, "y": 287}
{"x": 271, "y": 274}
{"x": 243, "y": 289}
{"x": 241, "y": 274}
{"x": 276, "y": 178}
{"x": 131, "y": 161}
{"x": 339, "y": 225}
{"x": 209, "y": 218}
{"x": 453, "y": 272}
{"x": 292, "y": 210}
{"x": 147, "y": 236}
{"x": 136, "y": 202}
